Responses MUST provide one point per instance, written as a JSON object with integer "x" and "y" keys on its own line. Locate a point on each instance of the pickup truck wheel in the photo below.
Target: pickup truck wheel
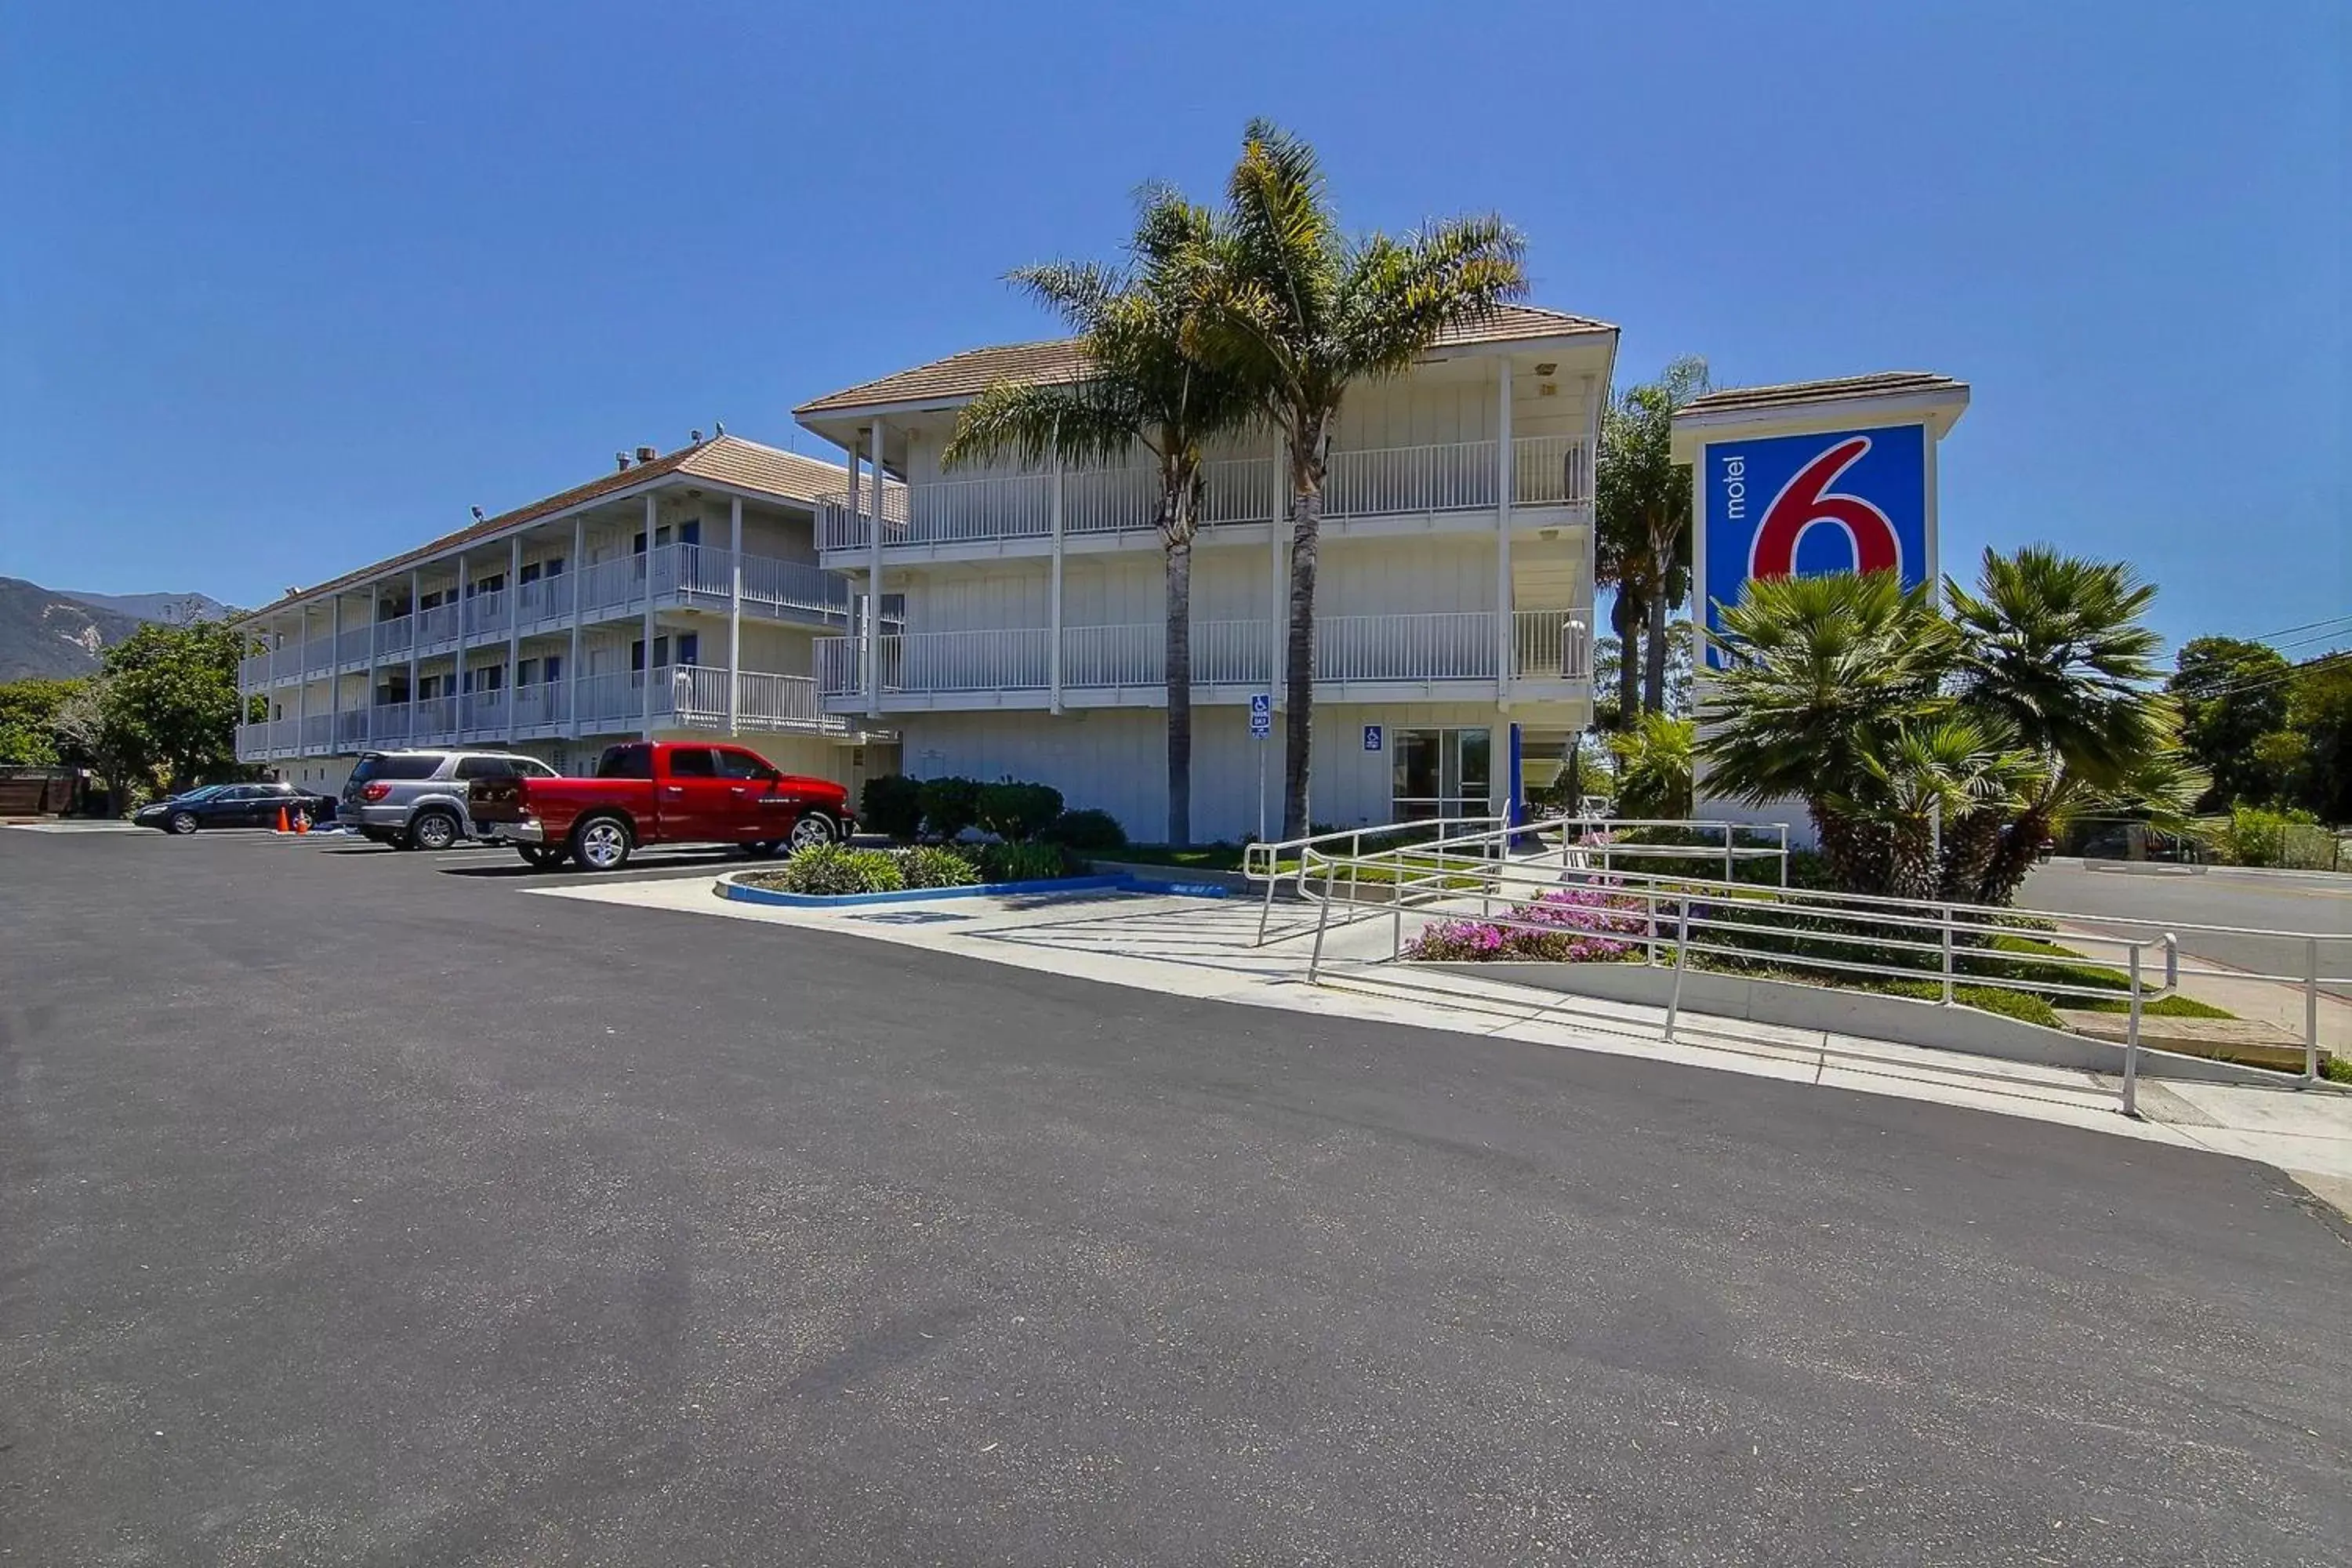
{"x": 814, "y": 827}
{"x": 600, "y": 844}
{"x": 546, "y": 856}
{"x": 433, "y": 830}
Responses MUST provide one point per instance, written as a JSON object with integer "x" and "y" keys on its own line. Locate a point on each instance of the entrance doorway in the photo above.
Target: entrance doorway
{"x": 1443, "y": 773}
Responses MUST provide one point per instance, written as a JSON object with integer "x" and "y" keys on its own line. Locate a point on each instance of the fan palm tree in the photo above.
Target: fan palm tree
{"x": 1302, "y": 312}
{"x": 1142, "y": 388}
{"x": 1653, "y": 767}
{"x": 1959, "y": 779}
{"x": 2055, "y": 645}
{"x": 1826, "y": 675}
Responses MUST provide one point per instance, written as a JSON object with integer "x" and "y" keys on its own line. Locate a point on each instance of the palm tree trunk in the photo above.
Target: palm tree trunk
{"x": 1654, "y": 654}
{"x": 1180, "y": 692}
{"x": 1625, "y": 620}
{"x": 1298, "y": 662}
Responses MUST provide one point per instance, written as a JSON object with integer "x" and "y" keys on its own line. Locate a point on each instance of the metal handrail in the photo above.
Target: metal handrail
{"x": 1949, "y": 935}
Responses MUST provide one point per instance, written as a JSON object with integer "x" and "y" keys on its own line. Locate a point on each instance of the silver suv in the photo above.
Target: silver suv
{"x": 416, "y": 800}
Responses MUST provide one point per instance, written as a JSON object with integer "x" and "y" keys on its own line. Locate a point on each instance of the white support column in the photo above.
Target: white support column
{"x": 860, "y": 629}
{"x": 269, "y": 703}
{"x": 1053, "y": 595}
{"x": 874, "y": 586}
{"x": 1506, "y": 471}
{"x": 572, "y": 663}
{"x": 514, "y": 629}
{"x": 735, "y": 615}
{"x": 335, "y": 673}
{"x": 457, "y": 663}
{"x": 302, "y": 686}
{"x": 375, "y": 636}
{"x": 645, "y": 687}
{"x": 416, "y": 631}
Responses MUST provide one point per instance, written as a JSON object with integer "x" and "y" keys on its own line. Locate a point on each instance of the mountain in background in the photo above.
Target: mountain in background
{"x": 48, "y": 632}
{"x": 154, "y": 607}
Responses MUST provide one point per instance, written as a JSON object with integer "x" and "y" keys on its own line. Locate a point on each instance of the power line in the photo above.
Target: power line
{"x": 2266, "y": 680}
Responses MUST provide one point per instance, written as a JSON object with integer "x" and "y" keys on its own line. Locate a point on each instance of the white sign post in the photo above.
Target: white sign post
{"x": 1261, "y": 730}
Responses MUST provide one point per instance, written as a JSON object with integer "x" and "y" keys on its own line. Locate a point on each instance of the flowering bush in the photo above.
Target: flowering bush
{"x": 1566, "y": 925}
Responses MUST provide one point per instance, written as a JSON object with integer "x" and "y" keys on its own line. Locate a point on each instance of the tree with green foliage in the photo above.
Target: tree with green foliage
{"x": 2319, "y": 709}
{"x": 163, "y": 710}
{"x": 2032, "y": 703}
{"x": 1143, "y": 388}
{"x": 2232, "y": 694}
{"x": 1302, "y": 312}
{"x": 1643, "y": 507}
{"x": 1653, "y": 766}
{"x": 28, "y": 714}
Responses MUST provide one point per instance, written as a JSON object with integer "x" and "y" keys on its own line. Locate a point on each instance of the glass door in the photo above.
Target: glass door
{"x": 1441, "y": 775}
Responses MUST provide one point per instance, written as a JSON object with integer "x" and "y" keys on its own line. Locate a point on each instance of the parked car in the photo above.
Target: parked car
{"x": 660, "y": 791}
{"x": 233, "y": 805}
{"x": 417, "y": 799}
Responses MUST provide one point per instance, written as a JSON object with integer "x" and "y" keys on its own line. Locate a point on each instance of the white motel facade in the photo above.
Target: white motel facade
{"x": 1020, "y": 629}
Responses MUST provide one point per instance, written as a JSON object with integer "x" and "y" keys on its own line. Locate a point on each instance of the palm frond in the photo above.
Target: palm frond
{"x": 1396, "y": 297}
{"x": 1075, "y": 423}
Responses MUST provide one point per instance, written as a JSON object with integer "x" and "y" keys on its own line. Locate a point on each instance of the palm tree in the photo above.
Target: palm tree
{"x": 1960, "y": 780}
{"x": 1143, "y": 388}
{"x": 1653, "y": 767}
{"x": 1827, "y": 674}
{"x": 1644, "y": 511}
{"x": 2055, "y": 645}
{"x": 1303, "y": 313}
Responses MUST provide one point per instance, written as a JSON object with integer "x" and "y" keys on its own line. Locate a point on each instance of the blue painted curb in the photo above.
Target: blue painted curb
{"x": 727, "y": 888}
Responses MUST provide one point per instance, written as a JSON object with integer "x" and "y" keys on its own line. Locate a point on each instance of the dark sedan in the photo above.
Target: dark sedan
{"x": 233, "y": 805}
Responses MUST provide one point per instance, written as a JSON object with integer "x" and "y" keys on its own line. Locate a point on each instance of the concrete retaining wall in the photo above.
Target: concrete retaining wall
{"x": 1860, "y": 1013}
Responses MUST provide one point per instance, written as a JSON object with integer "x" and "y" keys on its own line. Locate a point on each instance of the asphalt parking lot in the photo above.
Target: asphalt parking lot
{"x": 357, "y": 1208}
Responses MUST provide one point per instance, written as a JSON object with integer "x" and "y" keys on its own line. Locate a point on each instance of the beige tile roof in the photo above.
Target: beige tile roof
{"x": 1883, "y": 383}
{"x": 722, "y": 459}
{"x": 1064, "y": 359}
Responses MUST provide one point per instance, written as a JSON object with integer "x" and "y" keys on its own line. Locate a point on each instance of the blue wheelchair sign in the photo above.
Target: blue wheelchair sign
{"x": 1373, "y": 737}
{"x": 1261, "y": 716}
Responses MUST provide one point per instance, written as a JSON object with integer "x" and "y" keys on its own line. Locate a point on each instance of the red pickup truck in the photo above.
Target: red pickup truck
{"x": 659, "y": 792}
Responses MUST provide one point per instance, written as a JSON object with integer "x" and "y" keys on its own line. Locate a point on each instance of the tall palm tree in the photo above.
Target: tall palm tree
{"x": 2055, "y": 645}
{"x": 1303, "y": 313}
{"x": 1643, "y": 512}
{"x": 1827, "y": 674}
{"x": 1143, "y": 388}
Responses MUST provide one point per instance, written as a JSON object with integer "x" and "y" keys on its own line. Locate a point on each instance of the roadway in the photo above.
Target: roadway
{"x": 2219, "y": 896}
{"x": 355, "y": 1206}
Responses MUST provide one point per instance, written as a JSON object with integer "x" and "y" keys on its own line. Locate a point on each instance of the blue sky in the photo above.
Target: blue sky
{"x": 284, "y": 290}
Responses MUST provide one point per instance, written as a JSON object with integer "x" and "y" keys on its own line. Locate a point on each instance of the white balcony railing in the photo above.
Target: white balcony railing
{"x": 319, "y": 654}
{"x": 392, "y": 636}
{"x": 252, "y": 671}
{"x": 1445, "y": 477}
{"x": 487, "y": 612}
{"x": 436, "y": 625}
{"x": 1462, "y": 646}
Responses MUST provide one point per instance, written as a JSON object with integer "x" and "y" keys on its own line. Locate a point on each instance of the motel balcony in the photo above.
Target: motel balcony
{"x": 679, "y": 577}
{"x": 1372, "y": 492}
{"x": 1543, "y": 654}
{"x": 683, "y": 697}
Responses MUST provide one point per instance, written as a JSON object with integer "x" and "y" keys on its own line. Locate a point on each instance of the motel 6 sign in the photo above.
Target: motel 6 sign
{"x": 1812, "y": 484}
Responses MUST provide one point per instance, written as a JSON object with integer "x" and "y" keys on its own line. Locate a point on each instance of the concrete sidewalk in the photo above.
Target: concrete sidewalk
{"x": 1201, "y": 947}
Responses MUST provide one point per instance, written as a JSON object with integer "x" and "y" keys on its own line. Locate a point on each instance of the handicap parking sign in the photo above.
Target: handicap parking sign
{"x": 1261, "y": 716}
{"x": 1372, "y": 737}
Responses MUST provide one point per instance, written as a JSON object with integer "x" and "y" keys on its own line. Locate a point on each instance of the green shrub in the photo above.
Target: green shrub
{"x": 936, "y": 866}
{"x": 835, "y": 868}
{"x": 1017, "y": 811}
{"x": 1023, "y": 862}
{"x": 2255, "y": 837}
{"x": 892, "y": 804}
{"x": 949, "y": 806}
{"x": 1088, "y": 832}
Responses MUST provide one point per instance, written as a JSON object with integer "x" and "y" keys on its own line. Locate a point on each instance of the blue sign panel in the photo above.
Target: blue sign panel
{"x": 1786, "y": 506}
{"x": 1372, "y": 737}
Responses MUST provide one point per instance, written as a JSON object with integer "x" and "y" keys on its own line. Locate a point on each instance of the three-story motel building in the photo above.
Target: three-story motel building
{"x": 1022, "y": 630}
{"x": 727, "y": 589}
{"x": 678, "y": 595}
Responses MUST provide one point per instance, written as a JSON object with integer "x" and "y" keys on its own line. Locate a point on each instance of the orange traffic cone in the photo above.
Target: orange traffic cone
{"x": 281, "y": 819}
{"x": 301, "y": 822}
